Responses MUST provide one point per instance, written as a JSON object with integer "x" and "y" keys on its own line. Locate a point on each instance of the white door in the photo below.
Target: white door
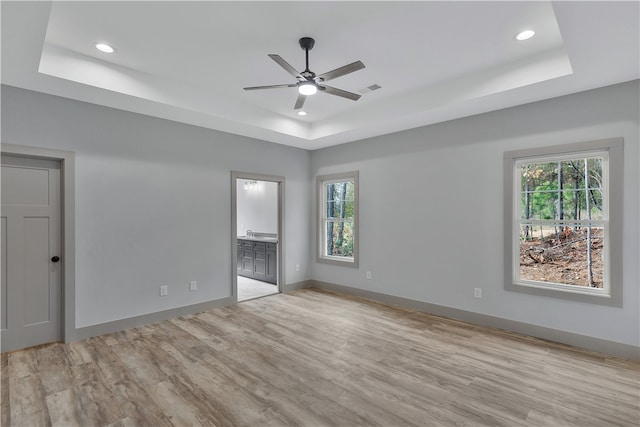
{"x": 30, "y": 309}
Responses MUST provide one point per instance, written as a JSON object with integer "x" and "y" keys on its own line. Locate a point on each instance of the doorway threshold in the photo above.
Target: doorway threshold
{"x": 249, "y": 289}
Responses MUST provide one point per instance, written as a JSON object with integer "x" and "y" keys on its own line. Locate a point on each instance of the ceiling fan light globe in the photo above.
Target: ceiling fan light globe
{"x": 307, "y": 89}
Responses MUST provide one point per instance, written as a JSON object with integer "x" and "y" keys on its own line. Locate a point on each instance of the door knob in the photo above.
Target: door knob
{"x": 55, "y": 258}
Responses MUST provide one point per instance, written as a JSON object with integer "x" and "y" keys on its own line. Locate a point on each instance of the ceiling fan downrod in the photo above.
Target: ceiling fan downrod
{"x": 306, "y": 43}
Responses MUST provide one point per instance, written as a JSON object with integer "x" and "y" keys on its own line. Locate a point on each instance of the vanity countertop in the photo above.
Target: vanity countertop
{"x": 259, "y": 239}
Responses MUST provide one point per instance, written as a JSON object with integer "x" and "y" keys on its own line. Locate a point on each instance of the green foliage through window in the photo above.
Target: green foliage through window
{"x": 561, "y": 190}
{"x": 339, "y": 211}
{"x": 561, "y": 232}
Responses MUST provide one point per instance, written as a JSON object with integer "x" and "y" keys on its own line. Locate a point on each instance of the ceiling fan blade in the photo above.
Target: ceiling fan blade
{"x": 340, "y": 92}
{"x": 284, "y": 64}
{"x": 269, "y": 87}
{"x": 300, "y": 101}
{"x": 339, "y": 72}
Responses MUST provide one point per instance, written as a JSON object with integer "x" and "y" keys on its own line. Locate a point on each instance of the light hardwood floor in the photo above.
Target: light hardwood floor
{"x": 315, "y": 358}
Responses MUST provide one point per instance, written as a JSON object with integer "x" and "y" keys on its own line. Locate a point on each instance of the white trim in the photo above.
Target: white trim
{"x": 558, "y": 222}
{"x": 67, "y": 195}
{"x": 546, "y": 158}
{"x": 611, "y": 150}
{"x": 563, "y": 287}
{"x": 321, "y": 219}
{"x": 518, "y": 221}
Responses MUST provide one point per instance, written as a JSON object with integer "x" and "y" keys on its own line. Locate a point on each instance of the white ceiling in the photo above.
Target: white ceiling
{"x": 435, "y": 61}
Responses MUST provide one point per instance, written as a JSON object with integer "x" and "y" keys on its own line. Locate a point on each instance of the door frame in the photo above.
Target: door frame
{"x": 67, "y": 235}
{"x": 280, "y": 180}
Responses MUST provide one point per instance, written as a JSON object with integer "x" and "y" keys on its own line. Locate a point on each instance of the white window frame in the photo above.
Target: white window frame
{"x": 611, "y": 151}
{"x": 321, "y": 196}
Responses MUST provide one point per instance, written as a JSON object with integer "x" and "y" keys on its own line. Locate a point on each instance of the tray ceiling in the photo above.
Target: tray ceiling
{"x": 434, "y": 61}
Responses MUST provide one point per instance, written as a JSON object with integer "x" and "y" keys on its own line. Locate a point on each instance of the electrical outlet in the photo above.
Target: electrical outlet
{"x": 477, "y": 292}
{"x": 164, "y": 290}
{"x": 297, "y": 267}
{"x": 368, "y": 275}
{"x": 193, "y": 286}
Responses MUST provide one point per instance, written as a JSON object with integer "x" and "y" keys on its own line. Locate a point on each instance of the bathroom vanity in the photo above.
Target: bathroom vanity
{"x": 258, "y": 257}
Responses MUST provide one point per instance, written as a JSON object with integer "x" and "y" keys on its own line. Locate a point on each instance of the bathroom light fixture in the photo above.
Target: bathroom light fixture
{"x": 307, "y": 88}
{"x": 250, "y": 185}
{"x": 302, "y": 113}
{"x": 525, "y": 35}
{"x": 103, "y": 47}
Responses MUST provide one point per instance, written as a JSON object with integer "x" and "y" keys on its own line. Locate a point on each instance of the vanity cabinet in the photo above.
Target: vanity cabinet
{"x": 271, "y": 272}
{"x": 246, "y": 264}
{"x": 259, "y": 257}
{"x": 258, "y": 260}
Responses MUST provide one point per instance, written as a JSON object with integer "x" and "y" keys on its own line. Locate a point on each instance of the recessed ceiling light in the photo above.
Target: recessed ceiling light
{"x": 525, "y": 35}
{"x": 302, "y": 113}
{"x": 103, "y": 47}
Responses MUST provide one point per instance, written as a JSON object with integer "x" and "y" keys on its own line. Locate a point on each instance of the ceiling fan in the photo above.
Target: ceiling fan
{"x": 308, "y": 82}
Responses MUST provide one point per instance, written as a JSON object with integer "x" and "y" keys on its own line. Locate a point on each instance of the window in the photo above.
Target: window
{"x": 563, "y": 231}
{"x": 338, "y": 218}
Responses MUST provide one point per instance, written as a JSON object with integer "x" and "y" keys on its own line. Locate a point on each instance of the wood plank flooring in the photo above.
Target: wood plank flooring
{"x": 315, "y": 358}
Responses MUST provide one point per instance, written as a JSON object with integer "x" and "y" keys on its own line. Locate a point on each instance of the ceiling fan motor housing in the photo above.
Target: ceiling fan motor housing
{"x": 306, "y": 43}
{"x": 309, "y": 75}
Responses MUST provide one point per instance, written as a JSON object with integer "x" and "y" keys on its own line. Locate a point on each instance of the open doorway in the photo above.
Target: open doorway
{"x": 257, "y": 235}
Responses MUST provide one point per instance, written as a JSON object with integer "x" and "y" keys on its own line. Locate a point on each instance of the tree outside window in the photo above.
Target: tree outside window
{"x": 562, "y": 217}
{"x": 563, "y": 221}
{"x": 337, "y": 214}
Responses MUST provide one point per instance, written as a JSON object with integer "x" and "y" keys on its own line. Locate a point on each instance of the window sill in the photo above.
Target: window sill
{"x": 568, "y": 292}
{"x": 347, "y": 262}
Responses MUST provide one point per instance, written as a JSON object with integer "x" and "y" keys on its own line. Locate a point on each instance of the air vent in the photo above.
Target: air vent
{"x": 369, "y": 88}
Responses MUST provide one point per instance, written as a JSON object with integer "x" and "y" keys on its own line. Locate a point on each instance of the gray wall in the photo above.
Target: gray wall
{"x": 153, "y": 201}
{"x": 138, "y": 178}
{"x": 431, "y": 221}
